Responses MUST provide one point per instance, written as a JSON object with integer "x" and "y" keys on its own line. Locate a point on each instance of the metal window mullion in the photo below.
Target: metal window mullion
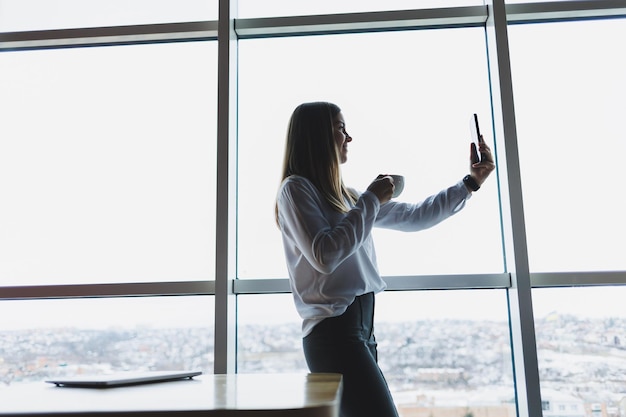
{"x": 133, "y": 289}
{"x": 579, "y": 279}
{"x": 394, "y": 283}
{"x": 225, "y": 232}
{"x": 281, "y": 285}
{"x": 312, "y": 24}
{"x": 107, "y": 36}
{"x": 564, "y": 11}
{"x": 360, "y": 22}
{"x": 522, "y": 328}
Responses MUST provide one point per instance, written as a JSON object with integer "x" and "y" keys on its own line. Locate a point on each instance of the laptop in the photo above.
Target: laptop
{"x": 122, "y": 379}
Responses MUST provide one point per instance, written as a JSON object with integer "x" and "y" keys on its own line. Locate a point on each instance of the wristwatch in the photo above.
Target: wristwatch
{"x": 471, "y": 183}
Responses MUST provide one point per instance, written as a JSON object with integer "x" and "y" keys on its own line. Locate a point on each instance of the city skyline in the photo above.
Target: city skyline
{"x": 392, "y": 306}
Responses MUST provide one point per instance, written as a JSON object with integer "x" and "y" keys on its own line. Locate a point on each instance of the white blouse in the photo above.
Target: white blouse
{"x": 330, "y": 255}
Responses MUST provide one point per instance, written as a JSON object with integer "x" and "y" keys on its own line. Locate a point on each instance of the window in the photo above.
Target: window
{"x": 580, "y": 334}
{"x": 107, "y": 164}
{"x": 269, "y": 336}
{"x": 429, "y": 343}
{"x": 47, "y": 338}
{"x": 569, "y": 89}
{"x": 108, "y": 167}
{"x": 407, "y": 98}
{"x": 17, "y": 15}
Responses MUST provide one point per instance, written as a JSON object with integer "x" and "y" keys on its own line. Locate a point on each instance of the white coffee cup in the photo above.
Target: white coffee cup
{"x": 398, "y": 182}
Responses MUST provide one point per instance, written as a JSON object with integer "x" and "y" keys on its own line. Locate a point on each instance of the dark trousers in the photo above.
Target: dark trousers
{"x": 346, "y": 345}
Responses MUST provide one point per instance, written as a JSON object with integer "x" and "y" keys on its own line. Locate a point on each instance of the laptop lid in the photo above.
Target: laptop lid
{"x": 122, "y": 378}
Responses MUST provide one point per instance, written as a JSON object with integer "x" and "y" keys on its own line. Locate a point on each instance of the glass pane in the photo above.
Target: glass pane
{"x": 407, "y": 98}
{"x": 51, "y": 338}
{"x": 268, "y": 8}
{"x": 444, "y": 353}
{"x": 580, "y": 349}
{"x": 107, "y": 169}
{"x": 569, "y": 89}
{"x": 23, "y": 15}
{"x": 268, "y": 335}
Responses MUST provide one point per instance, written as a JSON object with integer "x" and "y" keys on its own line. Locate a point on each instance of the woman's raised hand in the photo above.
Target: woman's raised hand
{"x": 480, "y": 170}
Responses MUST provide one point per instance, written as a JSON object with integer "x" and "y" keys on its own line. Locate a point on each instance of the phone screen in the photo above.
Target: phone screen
{"x": 475, "y": 129}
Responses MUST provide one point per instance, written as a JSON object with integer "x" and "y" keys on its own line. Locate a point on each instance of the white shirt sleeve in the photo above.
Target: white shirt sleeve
{"x": 409, "y": 217}
{"x": 322, "y": 235}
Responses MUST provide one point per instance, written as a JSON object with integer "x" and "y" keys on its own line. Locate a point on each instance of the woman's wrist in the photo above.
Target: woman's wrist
{"x": 471, "y": 183}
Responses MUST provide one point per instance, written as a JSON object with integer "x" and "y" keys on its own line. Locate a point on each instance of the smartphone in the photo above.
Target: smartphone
{"x": 475, "y": 130}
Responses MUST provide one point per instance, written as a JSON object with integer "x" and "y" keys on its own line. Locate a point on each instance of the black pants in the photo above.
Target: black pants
{"x": 346, "y": 345}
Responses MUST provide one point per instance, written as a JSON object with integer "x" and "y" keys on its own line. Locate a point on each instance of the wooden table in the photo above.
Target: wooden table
{"x": 232, "y": 395}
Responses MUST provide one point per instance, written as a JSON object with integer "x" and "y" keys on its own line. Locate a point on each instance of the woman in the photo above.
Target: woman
{"x": 326, "y": 229}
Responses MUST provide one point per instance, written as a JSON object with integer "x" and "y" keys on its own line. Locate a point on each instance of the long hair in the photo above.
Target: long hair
{"x": 311, "y": 152}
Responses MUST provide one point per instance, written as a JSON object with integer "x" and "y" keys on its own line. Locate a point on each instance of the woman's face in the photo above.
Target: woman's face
{"x": 342, "y": 138}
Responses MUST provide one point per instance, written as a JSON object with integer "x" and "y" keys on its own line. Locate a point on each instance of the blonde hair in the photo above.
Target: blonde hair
{"x": 311, "y": 152}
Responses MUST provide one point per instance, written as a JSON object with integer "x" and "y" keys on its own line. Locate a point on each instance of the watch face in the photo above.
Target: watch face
{"x": 471, "y": 183}
{"x": 475, "y": 128}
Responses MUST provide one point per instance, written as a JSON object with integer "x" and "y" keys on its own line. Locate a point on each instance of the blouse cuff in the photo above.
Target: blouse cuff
{"x": 370, "y": 195}
{"x": 468, "y": 193}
